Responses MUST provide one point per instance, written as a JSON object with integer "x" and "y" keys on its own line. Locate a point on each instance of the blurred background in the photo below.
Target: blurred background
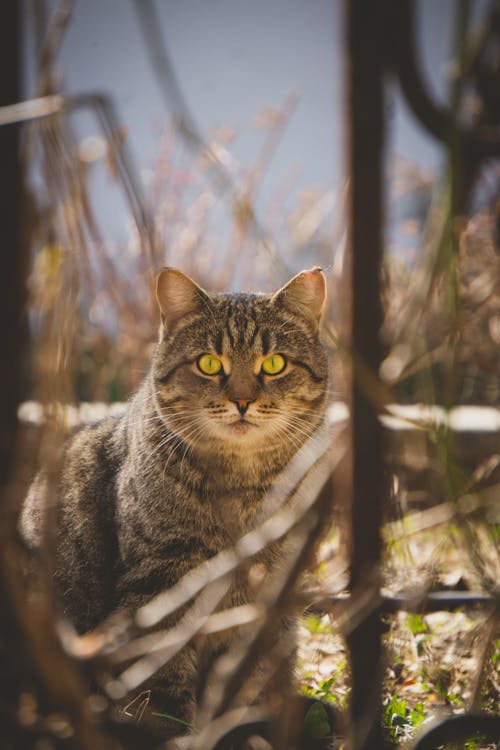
{"x": 231, "y": 119}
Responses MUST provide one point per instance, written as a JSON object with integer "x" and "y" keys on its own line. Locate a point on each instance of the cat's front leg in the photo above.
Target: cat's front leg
{"x": 166, "y": 698}
{"x": 166, "y": 701}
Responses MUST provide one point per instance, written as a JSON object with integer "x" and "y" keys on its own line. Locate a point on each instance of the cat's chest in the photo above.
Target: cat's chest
{"x": 236, "y": 509}
{"x": 202, "y": 500}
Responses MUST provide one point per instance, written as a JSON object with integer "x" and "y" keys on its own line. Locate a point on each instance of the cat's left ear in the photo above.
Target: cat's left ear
{"x": 305, "y": 294}
{"x": 178, "y": 297}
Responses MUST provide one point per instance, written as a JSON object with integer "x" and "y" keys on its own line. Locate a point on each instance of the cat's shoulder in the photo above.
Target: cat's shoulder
{"x": 86, "y": 465}
{"x": 102, "y": 443}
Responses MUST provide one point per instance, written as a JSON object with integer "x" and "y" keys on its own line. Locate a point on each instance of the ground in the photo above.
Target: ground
{"x": 436, "y": 663}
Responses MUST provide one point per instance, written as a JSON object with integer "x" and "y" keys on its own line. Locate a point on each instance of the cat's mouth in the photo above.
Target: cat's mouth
{"x": 241, "y": 426}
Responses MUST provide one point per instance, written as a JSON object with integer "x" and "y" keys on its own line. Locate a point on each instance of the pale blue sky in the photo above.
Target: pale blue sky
{"x": 231, "y": 58}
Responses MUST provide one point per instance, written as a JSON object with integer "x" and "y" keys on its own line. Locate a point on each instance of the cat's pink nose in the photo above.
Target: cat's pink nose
{"x": 242, "y": 405}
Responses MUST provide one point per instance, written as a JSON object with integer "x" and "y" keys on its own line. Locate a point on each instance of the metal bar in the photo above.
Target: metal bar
{"x": 438, "y": 601}
{"x": 435, "y": 601}
{"x": 366, "y": 132}
{"x": 11, "y": 257}
{"x": 436, "y": 119}
{"x": 455, "y": 728}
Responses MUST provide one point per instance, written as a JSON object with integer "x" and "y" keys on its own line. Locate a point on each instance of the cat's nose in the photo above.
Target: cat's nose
{"x": 242, "y": 405}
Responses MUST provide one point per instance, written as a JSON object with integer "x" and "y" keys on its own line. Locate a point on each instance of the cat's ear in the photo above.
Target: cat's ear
{"x": 178, "y": 296}
{"x": 304, "y": 294}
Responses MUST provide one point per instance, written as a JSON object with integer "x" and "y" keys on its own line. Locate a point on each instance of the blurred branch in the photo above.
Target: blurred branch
{"x": 489, "y": 629}
{"x": 174, "y": 99}
{"x": 404, "y": 325}
{"x": 263, "y": 160}
{"x": 32, "y": 109}
{"x": 439, "y": 515}
{"x": 153, "y": 657}
{"x": 187, "y": 627}
{"x": 51, "y": 44}
{"x": 103, "y": 108}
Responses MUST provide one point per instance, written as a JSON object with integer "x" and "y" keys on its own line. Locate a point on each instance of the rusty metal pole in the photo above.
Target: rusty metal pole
{"x": 11, "y": 254}
{"x": 366, "y": 140}
{"x": 33, "y": 662}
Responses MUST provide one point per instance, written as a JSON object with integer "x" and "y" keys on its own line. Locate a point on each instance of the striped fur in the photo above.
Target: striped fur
{"x": 147, "y": 496}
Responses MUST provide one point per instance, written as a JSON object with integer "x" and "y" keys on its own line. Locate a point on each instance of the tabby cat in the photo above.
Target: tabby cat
{"x": 237, "y": 384}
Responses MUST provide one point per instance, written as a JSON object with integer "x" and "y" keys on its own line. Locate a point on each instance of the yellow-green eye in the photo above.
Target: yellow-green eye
{"x": 209, "y": 365}
{"x": 274, "y": 364}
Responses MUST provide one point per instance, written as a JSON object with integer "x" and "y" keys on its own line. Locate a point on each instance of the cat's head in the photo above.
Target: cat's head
{"x": 242, "y": 372}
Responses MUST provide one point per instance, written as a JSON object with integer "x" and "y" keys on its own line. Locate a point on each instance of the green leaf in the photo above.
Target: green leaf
{"x": 399, "y": 721}
{"x": 496, "y": 653}
{"x": 173, "y": 718}
{"x": 416, "y": 624}
{"x": 396, "y": 707}
{"x": 318, "y": 624}
{"x": 417, "y": 715}
{"x": 316, "y": 721}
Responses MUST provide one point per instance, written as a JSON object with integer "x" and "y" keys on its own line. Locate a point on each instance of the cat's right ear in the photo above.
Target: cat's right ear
{"x": 305, "y": 294}
{"x": 178, "y": 296}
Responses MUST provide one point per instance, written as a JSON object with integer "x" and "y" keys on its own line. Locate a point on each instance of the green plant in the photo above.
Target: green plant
{"x": 316, "y": 722}
{"x": 316, "y": 624}
{"x": 323, "y": 691}
{"x": 474, "y": 743}
{"x": 399, "y": 720}
{"x": 417, "y": 624}
{"x": 495, "y": 657}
